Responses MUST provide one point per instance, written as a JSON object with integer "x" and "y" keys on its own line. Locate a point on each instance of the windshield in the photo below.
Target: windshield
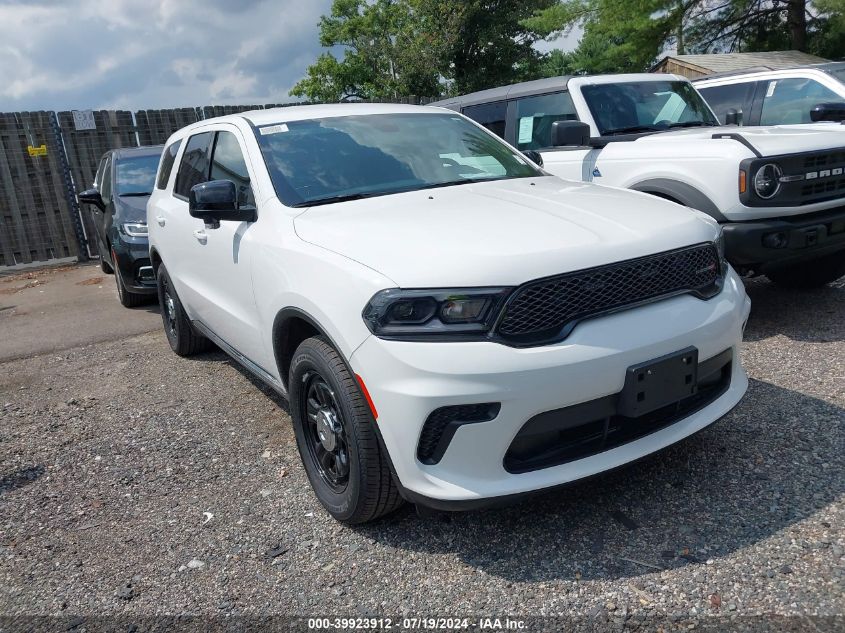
{"x": 647, "y": 106}
{"x": 837, "y": 70}
{"x": 326, "y": 160}
{"x": 136, "y": 175}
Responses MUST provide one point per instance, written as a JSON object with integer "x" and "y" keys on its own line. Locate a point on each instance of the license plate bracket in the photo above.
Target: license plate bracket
{"x": 659, "y": 382}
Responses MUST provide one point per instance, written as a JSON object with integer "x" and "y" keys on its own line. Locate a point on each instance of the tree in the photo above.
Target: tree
{"x": 395, "y": 48}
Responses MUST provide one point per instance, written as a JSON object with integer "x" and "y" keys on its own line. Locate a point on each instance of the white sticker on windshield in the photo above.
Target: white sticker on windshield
{"x": 273, "y": 129}
{"x": 526, "y": 129}
{"x": 771, "y": 89}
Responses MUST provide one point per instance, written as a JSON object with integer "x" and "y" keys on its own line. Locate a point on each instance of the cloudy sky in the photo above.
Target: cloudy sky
{"x": 133, "y": 54}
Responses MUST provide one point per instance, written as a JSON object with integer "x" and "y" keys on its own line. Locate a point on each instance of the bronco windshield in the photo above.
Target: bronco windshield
{"x": 318, "y": 161}
{"x": 646, "y": 106}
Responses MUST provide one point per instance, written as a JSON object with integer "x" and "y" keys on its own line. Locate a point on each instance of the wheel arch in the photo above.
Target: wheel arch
{"x": 291, "y": 326}
{"x": 682, "y": 193}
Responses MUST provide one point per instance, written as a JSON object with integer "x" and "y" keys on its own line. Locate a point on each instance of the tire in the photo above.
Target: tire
{"x": 183, "y": 338}
{"x": 128, "y": 299}
{"x": 104, "y": 266}
{"x": 351, "y": 476}
{"x": 812, "y": 274}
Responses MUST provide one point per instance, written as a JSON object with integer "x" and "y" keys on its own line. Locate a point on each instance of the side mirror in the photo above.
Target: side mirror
{"x": 570, "y": 134}
{"x": 828, "y": 112}
{"x": 534, "y": 156}
{"x": 92, "y": 196}
{"x": 733, "y": 117}
{"x": 216, "y": 201}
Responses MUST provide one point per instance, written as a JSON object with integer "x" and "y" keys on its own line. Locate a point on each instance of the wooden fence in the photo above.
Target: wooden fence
{"x": 46, "y": 158}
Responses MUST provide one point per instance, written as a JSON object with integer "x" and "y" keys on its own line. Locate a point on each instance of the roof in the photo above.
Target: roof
{"x": 300, "y": 113}
{"x": 727, "y": 62}
{"x": 145, "y": 150}
{"x": 526, "y": 88}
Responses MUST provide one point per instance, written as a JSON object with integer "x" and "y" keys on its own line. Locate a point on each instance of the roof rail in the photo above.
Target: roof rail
{"x": 744, "y": 71}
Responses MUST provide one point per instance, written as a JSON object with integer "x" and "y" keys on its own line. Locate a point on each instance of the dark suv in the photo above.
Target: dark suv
{"x": 125, "y": 179}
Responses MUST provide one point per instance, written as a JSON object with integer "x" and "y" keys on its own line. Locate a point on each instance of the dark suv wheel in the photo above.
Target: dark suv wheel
{"x": 128, "y": 299}
{"x": 335, "y": 436}
{"x": 183, "y": 339}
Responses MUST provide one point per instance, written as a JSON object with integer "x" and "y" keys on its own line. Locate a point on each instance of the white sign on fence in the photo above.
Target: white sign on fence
{"x": 84, "y": 120}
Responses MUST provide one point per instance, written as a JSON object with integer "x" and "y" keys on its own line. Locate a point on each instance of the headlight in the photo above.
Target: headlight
{"x": 465, "y": 313}
{"x": 135, "y": 229}
{"x": 767, "y": 180}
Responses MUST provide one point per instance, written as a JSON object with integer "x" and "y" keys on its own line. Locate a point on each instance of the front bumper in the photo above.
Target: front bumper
{"x": 407, "y": 381}
{"x": 133, "y": 262}
{"x": 762, "y": 244}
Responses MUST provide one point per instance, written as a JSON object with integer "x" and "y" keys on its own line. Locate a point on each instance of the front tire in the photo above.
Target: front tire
{"x": 336, "y": 438}
{"x": 812, "y": 274}
{"x": 128, "y": 299}
{"x": 183, "y": 339}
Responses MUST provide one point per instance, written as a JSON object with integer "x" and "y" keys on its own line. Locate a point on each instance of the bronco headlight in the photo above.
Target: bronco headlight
{"x": 767, "y": 180}
{"x": 464, "y": 313}
{"x": 135, "y": 229}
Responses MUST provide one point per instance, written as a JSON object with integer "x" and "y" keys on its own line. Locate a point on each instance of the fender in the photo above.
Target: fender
{"x": 681, "y": 192}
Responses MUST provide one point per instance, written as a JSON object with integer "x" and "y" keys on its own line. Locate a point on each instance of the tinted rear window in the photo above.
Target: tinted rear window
{"x": 167, "y": 160}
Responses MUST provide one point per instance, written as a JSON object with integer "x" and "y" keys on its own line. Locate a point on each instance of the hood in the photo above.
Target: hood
{"x": 131, "y": 208}
{"x": 771, "y": 140}
{"x": 500, "y": 233}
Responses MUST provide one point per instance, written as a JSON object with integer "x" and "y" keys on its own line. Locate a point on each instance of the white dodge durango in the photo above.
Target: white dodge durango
{"x": 450, "y": 324}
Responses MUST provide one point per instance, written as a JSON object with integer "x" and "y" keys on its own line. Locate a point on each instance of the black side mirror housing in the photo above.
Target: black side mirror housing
{"x": 733, "y": 117}
{"x": 92, "y": 196}
{"x": 534, "y": 156}
{"x": 834, "y": 111}
{"x": 216, "y": 201}
{"x": 570, "y": 134}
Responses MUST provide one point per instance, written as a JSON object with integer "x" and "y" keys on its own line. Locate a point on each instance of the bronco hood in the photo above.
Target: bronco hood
{"x": 771, "y": 140}
{"x": 500, "y": 233}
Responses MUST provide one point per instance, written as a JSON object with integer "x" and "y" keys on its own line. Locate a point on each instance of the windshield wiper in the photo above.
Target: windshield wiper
{"x": 339, "y": 198}
{"x": 134, "y": 194}
{"x": 372, "y": 194}
{"x": 632, "y": 129}
{"x": 690, "y": 124}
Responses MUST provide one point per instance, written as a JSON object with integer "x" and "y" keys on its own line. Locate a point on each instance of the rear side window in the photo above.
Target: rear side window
{"x": 734, "y": 96}
{"x": 229, "y": 164}
{"x": 167, "y": 160}
{"x": 490, "y": 115}
{"x": 535, "y": 115}
{"x": 195, "y": 163}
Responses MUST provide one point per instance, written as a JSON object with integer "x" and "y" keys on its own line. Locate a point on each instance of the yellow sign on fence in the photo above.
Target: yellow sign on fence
{"x": 37, "y": 151}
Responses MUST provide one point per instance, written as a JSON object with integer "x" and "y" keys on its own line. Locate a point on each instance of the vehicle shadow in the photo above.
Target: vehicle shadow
{"x": 775, "y": 460}
{"x": 800, "y": 315}
{"x": 20, "y": 478}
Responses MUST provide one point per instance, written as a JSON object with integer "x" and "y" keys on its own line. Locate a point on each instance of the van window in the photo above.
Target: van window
{"x": 195, "y": 162}
{"x": 535, "y": 115}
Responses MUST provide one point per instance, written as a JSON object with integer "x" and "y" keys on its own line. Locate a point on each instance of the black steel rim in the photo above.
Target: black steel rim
{"x": 168, "y": 310}
{"x": 325, "y": 432}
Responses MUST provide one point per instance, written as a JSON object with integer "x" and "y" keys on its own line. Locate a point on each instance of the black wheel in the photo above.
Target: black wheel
{"x": 104, "y": 265}
{"x": 127, "y": 298}
{"x": 812, "y": 274}
{"x": 183, "y": 339}
{"x": 336, "y": 437}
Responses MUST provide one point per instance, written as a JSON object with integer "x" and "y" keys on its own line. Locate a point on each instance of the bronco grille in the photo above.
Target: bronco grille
{"x": 547, "y": 309}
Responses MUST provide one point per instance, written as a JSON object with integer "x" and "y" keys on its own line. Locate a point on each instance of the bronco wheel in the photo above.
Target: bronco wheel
{"x": 335, "y": 436}
{"x": 812, "y": 274}
{"x": 183, "y": 339}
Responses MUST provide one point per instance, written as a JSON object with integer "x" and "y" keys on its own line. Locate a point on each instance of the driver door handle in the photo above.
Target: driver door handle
{"x": 160, "y": 219}
{"x": 201, "y": 236}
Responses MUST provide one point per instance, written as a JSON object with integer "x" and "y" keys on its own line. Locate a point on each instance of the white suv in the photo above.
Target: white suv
{"x": 449, "y": 323}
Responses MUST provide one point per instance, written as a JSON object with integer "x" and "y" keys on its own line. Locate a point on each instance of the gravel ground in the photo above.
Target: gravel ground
{"x": 136, "y": 482}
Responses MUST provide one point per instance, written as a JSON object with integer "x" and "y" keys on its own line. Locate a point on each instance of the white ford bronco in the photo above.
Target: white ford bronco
{"x": 778, "y": 191}
{"x": 449, "y": 323}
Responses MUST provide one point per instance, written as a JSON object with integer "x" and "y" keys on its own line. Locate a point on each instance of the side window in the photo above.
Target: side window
{"x": 790, "y": 100}
{"x": 98, "y": 179}
{"x": 194, "y": 166}
{"x": 722, "y": 98}
{"x": 105, "y": 186}
{"x": 535, "y": 115}
{"x": 168, "y": 157}
{"x": 490, "y": 115}
{"x": 228, "y": 164}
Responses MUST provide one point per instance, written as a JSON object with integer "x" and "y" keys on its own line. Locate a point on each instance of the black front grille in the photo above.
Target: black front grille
{"x": 547, "y": 309}
{"x": 824, "y": 159}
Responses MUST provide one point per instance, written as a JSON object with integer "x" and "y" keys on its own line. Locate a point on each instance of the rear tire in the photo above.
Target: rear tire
{"x": 812, "y": 274}
{"x": 336, "y": 438}
{"x": 183, "y": 339}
